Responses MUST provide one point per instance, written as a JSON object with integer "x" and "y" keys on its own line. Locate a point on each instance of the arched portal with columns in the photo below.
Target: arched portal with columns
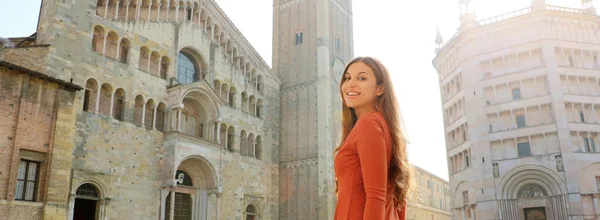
{"x": 196, "y": 114}
{"x": 532, "y": 192}
{"x": 189, "y": 197}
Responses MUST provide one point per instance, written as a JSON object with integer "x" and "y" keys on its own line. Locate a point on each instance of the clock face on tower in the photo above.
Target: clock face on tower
{"x": 338, "y": 69}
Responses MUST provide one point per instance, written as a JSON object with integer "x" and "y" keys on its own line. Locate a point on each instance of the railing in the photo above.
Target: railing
{"x": 515, "y": 14}
{"x": 450, "y": 41}
{"x": 505, "y": 16}
{"x": 563, "y": 9}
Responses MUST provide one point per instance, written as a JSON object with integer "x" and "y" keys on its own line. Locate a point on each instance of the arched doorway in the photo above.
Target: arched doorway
{"x": 86, "y": 202}
{"x": 532, "y": 192}
{"x": 188, "y": 198}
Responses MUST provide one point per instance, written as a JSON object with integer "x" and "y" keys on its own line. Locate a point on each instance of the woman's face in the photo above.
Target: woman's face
{"x": 360, "y": 87}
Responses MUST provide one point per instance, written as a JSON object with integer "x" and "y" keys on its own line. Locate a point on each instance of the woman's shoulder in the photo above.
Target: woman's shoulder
{"x": 372, "y": 120}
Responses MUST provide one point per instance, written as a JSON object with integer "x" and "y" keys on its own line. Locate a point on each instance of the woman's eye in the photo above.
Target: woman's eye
{"x": 362, "y": 78}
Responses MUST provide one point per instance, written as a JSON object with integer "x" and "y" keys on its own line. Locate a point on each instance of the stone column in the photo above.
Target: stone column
{"x": 149, "y": 12}
{"x": 596, "y": 207}
{"x": 106, "y": 8}
{"x": 179, "y": 119}
{"x": 168, "y": 10}
{"x": 205, "y": 23}
{"x": 112, "y": 101}
{"x": 127, "y": 10}
{"x": 154, "y": 118}
{"x": 97, "y": 98}
{"x": 218, "y": 205}
{"x": 143, "y": 114}
{"x": 462, "y": 210}
{"x": 118, "y": 50}
{"x": 149, "y": 60}
{"x": 158, "y": 14}
{"x": 212, "y": 32}
{"x": 104, "y": 44}
{"x": 177, "y": 12}
{"x": 201, "y": 205}
{"x": 199, "y": 13}
{"x": 172, "y": 205}
{"x": 117, "y": 10}
{"x": 226, "y": 138}
{"x": 192, "y": 15}
{"x": 473, "y": 212}
{"x": 137, "y": 10}
{"x": 218, "y": 132}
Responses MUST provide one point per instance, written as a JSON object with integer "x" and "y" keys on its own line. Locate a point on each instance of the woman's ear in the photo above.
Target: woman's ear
{"x": 380, "y": 90}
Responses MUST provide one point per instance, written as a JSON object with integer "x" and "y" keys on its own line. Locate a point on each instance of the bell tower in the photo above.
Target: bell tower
{"x": 312, "y": 42}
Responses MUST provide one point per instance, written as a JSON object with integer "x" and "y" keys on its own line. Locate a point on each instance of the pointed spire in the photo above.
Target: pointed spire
{"x": 439, "y": 41}
{"x": 438, "y": 36}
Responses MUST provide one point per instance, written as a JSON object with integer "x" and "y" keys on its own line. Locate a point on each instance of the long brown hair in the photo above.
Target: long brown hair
{"x": 399, "y": 171}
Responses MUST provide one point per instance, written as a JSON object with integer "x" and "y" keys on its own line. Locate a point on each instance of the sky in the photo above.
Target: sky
{"x": 399, "y": 33}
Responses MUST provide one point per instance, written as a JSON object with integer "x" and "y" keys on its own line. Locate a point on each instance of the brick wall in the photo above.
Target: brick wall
{"x": 29, "y": 109}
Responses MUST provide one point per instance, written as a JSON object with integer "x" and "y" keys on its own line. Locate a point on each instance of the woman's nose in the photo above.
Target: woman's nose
{"x": 352, "y": 83}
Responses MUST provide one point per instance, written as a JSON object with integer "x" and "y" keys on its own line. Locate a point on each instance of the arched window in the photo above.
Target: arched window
{"x": 252, "y": 104}
{"x": 223, "y": 134}
{"x": 149, "y": 117}
{"x": 259, "y": 108}
{"x": 119, "y": 104}
{"x": 164, "y": 67}
{"x": 90, "y": 95}
{"x": 160, "y": 117}
{"x": 124, "y": 50}
{"x": 258, "y": 148}
{"x": 250, "y": 147}
{"x": 100, "y": 8}
{"x": 98, "y": 39}
{"x": 186, "y": 71}
{"x": 251, "y": 212}
{"x": 137, "y": 112}
{"x": 231, "y": 97}
{"x": 105, "y": 99}
{"x": 244, "y": 102}
{"x": 243, "y": 143}
{"x": 111, "y": 45}
{"x": 259, "y": 81}
{"x": 144, "y": 56}
{"x": 154, "y": 64}
{"x": 230, "y": 139}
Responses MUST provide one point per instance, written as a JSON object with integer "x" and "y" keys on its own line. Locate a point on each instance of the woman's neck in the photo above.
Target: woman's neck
{"x": 364, "y": 110}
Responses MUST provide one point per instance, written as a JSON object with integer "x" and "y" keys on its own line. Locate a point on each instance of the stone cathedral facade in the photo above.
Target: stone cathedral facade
{"x": 161, "y": 109}
{"x": 521, "y": 100}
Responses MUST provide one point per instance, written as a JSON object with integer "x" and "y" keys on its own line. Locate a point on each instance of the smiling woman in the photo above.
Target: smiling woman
{"x": 373, "y": 150}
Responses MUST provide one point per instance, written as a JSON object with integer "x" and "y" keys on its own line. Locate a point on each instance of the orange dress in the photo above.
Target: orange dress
{"x": 361, "y": 167}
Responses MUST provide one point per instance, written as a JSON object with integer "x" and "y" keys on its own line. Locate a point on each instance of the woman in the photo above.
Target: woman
{"x": 371, "y": 166}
